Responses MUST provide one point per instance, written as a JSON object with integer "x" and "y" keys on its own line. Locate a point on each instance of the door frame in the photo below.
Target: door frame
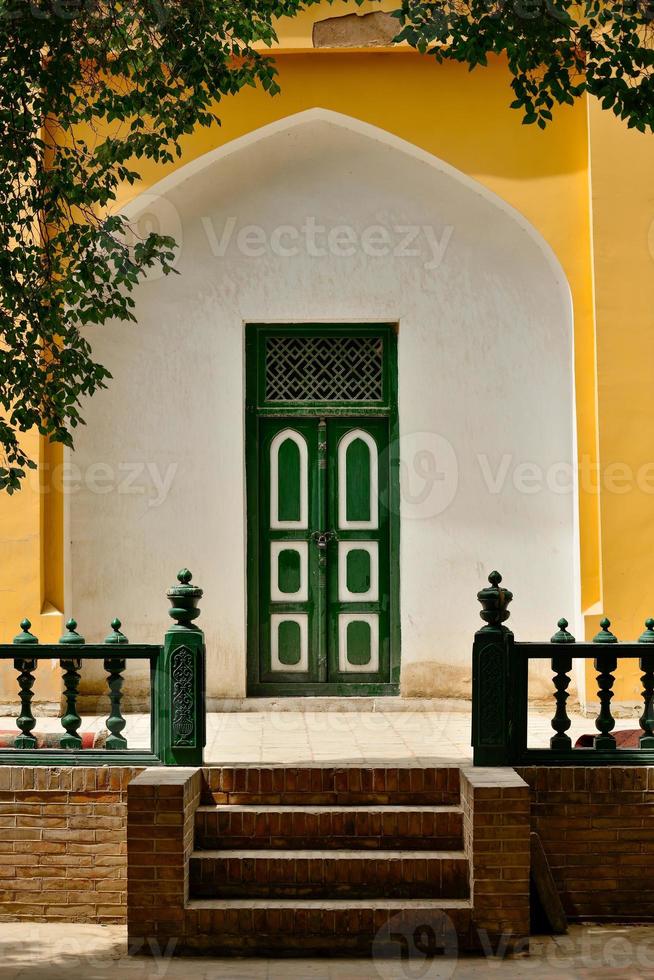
{"x": 255, "y": 409}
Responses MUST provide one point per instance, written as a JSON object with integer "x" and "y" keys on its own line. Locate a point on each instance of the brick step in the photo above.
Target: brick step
{"x": 330, "y": 785}
{"x": 336, "y": 927}
{"x": 432, "y": 828}
{"x": 328, "y": 874}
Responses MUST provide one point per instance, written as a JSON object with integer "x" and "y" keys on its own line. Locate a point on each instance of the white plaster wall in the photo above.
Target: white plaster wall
{"x": 485, "y": 382}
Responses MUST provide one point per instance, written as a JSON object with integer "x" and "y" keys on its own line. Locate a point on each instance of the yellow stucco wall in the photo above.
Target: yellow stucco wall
{"x": 464, "y": 119}
{"x": 623, "y": 238}
{"x": 27, "y": 522}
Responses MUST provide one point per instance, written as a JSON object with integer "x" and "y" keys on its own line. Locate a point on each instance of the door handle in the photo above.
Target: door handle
{"x": 322, "y": 538}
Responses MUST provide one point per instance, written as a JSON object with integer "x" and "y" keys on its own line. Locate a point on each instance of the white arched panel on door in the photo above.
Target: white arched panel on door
{"x": 347, "y": 442}
{"x": 276, "y": 447}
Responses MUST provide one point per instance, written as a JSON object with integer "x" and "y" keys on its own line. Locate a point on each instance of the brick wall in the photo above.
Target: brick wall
{"x": 597, "y": 830}
{"x": 64, "y": 840}
{"x": 160, "y": 832}
{"x": 63, "y": 843}
{"x": 496, "y": 830}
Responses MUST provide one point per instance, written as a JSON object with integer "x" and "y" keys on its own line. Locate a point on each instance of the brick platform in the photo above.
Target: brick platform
{"x": 64, "y": 843}
{"x": 235, "y": 860}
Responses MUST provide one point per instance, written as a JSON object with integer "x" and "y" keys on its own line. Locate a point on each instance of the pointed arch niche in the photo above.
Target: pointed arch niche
{"x": 320, "y": 218}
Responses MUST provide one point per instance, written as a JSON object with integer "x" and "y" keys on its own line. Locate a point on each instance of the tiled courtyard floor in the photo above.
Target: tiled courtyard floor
{"x": 404, "y": 734}
{"x": 87, "y": 952}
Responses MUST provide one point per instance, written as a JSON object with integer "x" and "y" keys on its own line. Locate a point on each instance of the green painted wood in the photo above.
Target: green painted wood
{"x": 26, "y": 722}
{"x": 500, "y": 671}
{"x": 25, "y": 637}
{"x": 71, "y": 637}
{"x": 584, "y": 757}
{"x": 340, "y": 666}
{"x": 267, "y": 671}
{"x": 358, "y": 504}
{"x": 561, "y": 665}
{"x": 92, "y": 651}
{"x": 264, "y": 420}
{"x": 605, "y": 664}
{"x": 116, "y": 637}
{"x": 115, "y": 666}
{"x": 357, "y": 573}
{"x": 177, "y": 688}
{"x": 321, "y": 689}
{"x": 71, "y": 667}
{"x": 86, "y": 757}
{"x": 71, "y": 720}
{"x": 359, "y": 643}
{"x": 497, "y": 687}
{"x": 256, "y": 339}
{"x": 289, "y": 571}
{"x": 290, "y": 647}
{"x": 320, "y": 538}
{"x": 647, "y": 717}
{"x": 288, "y": 481}
{"x": 647, "y": 680}
{"x": 179, "y": 682}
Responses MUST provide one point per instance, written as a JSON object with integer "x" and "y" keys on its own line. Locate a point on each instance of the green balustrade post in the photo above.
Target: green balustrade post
{"x": 179, "y": 708}
{"x": 495, "y": 701}
{"x": 71, "y": 667}
{"x": 646, "y": 740}
{"x": 561, "y": 664}
{"x": 25, "y": 665}
{"x": 115, "y": 668}
{"x": 605, "y": 663}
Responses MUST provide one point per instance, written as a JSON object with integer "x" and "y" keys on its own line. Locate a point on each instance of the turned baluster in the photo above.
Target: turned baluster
{"x": 561, "y": 665}
{"x": 115, "y": 667}
{"x": 26, "y": 722}
{"x": 605, "y": 664}
{"x": 646, "y": 740}
{"x": 71, "y": 666}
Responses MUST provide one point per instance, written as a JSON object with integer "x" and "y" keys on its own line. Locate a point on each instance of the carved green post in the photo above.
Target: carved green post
{"x": 178, "y": 707}
{"x": 71, "y": 666}
{"x": 115, "y": 667}
{"x": 605, "y": 664}
{"x": 493, "y": 679}
{"x": 646, "y": 740}
{"x": 561, "y": 664}
{"x": 26, "y": 722}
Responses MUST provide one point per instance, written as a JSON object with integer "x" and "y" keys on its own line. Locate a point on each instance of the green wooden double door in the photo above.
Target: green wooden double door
{"x": 323, "y": 536}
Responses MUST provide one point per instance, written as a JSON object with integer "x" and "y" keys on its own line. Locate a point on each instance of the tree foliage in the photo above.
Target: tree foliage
{"x": 135, "y": 76}
{"x": 556, "y": 49}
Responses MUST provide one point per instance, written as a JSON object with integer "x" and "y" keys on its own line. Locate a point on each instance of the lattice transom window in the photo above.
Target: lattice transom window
{"x": 329, "y": 369}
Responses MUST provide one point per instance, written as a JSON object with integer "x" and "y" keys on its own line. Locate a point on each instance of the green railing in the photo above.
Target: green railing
{"x": 177, "y": 691}
{"x": 500, "y": 674}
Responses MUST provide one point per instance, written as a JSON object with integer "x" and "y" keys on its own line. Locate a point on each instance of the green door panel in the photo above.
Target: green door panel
{"x": 289, "y": 571}
{"x": 290, "y": 643}
{"x": 288, "y": 507}
{"x": 359, "y": 649}
{"x": 359, "y": 643}
{"x": 357, "y": 575}
{"x": 289, "y": 481}
{"x": 358, "y": 463}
